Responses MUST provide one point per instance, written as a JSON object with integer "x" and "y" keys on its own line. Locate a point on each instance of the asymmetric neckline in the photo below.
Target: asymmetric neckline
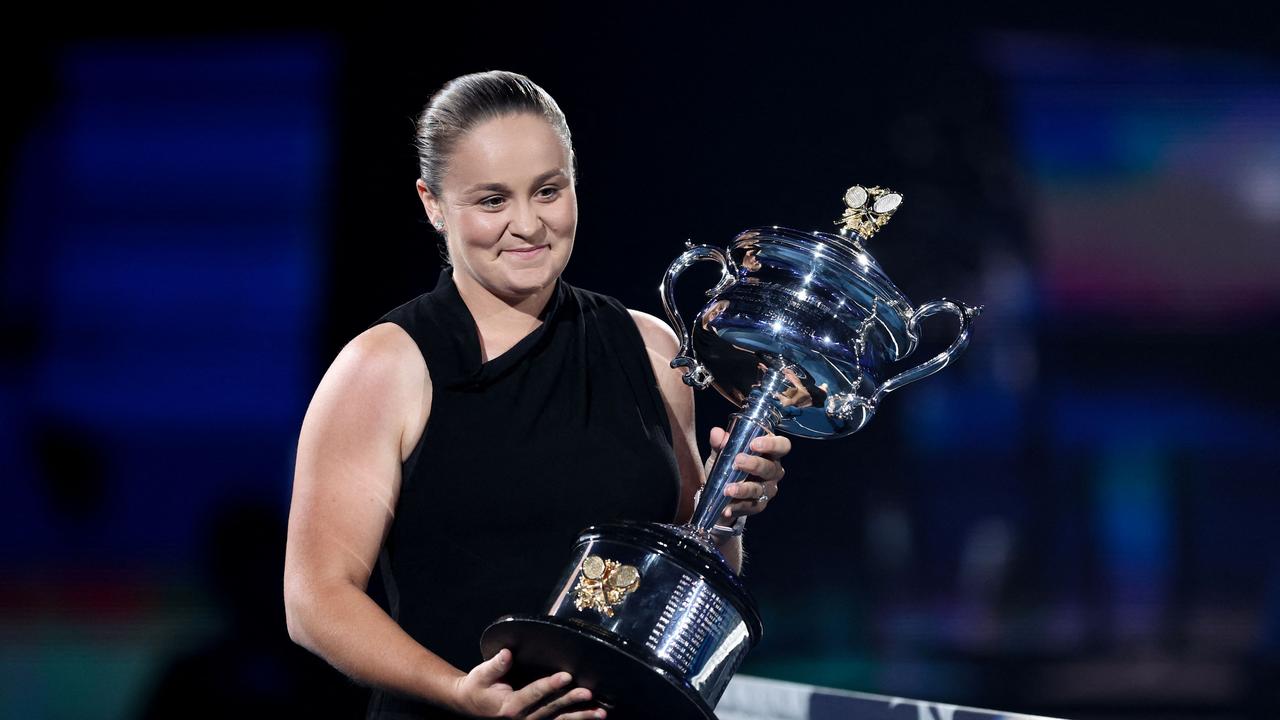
{"x": 460, "y": 320}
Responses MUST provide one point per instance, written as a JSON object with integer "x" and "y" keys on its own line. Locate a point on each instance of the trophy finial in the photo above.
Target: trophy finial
{"x": 868, "y": 209}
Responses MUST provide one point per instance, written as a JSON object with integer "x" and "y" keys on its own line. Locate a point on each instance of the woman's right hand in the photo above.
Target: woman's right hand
{"x": 482, "y": 693}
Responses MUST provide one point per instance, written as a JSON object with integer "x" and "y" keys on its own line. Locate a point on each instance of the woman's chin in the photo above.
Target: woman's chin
{"x": 532, "y": 274}
{"x": 528, "y": 281}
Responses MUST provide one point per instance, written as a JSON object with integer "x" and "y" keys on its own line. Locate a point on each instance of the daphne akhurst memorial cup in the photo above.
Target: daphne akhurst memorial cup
{"x": 805, "y": 334}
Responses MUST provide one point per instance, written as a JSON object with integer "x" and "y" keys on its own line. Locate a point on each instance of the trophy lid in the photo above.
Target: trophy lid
{"x": 819, "y": 252}
{"x": 867, "y": 210}
{"x": 817, "y": 311}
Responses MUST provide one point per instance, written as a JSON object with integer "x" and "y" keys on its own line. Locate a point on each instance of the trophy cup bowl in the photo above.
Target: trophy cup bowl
{"x": 800, "y": 333}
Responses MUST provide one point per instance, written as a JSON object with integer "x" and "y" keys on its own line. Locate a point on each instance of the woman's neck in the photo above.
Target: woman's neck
{"x": 501, "y": 322}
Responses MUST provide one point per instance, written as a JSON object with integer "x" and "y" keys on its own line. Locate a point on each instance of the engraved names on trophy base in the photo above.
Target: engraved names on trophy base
{"x": 693, "y": 614}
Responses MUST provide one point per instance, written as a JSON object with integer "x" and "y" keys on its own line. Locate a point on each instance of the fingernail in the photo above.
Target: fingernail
{"x": 565, "y": 677}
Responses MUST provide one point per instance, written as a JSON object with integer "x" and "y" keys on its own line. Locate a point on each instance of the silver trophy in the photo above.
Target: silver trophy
{"x": 800, "y": 333}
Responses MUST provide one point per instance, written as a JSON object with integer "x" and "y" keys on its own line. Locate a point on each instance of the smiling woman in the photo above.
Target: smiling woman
{"x": 511, "y": 238}
{"x": 462, "y": 441}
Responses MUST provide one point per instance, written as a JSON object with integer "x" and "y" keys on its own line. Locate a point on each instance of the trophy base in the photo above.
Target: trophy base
{"x": 649, "y": 617}
{"x": 542, "y": 646}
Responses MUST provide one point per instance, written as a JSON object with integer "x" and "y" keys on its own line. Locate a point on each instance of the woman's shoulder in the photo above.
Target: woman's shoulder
{"x": 385, "y": 347}
{"x": 379, "y": 377}
{"x": 656, "y": 333}
{"x": 382, "y": 363}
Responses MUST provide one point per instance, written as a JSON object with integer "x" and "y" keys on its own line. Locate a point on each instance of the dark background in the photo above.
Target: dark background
{"x": 1075, "y": 519}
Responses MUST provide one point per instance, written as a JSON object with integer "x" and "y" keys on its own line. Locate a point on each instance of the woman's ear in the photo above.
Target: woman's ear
{"x": 430, "y": 203}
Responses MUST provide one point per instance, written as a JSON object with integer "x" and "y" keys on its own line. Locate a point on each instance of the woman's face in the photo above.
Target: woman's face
{"x": 508, "y": 205}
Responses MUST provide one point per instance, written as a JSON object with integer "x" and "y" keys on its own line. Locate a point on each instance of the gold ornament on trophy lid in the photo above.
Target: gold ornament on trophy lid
{"x": 867, "y": 210}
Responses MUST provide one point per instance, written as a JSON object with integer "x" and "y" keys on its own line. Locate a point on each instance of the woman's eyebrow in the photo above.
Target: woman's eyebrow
{"x": 500, "y": 187}
{"x": 495, "y": 187}
{"x": 548, "y": 175}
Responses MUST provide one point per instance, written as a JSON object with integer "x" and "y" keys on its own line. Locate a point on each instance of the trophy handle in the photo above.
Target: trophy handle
{"x": 696, "y": 375}
{"x": 942, "y": 359}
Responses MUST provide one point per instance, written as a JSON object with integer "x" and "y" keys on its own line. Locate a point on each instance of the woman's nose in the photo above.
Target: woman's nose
{"x": 525, "y": 221}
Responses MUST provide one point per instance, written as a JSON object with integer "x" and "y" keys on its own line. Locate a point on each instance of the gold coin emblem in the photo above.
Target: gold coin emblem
{"x": 624, "y": 577}
{"x": 593, "y": 567}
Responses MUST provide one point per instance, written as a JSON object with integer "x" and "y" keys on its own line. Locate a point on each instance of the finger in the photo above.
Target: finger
{"x": 751, "y": 506}
{"x": 492, "y": 670}
{"x": 746, "y": 490}
{"x": 773, "y": 447}
{"x": 754, "y": 493}
{"x": 531, "y": 694}
{"x": 562, "y": 703}
{"x": 740, "y": 508}
{"x": 583, "y": 715}
{"x": 747, "y": 498}
{"x": 718, "y": 436}
{"x": 760, "y": 468}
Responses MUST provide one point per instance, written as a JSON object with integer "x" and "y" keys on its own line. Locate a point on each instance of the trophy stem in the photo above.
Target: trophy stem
{"x": 758, "y": 417}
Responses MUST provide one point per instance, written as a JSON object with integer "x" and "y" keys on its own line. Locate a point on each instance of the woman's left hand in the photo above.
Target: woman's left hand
{"x": 764, "y": 472}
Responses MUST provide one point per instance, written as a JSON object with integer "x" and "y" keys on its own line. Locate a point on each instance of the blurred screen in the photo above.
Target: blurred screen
{"x": 1155, "y": 179}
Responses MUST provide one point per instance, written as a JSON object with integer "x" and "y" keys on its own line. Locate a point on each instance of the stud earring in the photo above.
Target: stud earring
{"x": 439, "y": 225}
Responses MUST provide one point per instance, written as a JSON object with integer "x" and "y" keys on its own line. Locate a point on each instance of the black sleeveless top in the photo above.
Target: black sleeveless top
{"x": 564, "y": 430}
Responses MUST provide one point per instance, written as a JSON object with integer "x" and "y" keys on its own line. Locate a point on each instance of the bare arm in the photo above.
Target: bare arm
{"x": 365, "y": 418}
{"x": 369, "y": 407}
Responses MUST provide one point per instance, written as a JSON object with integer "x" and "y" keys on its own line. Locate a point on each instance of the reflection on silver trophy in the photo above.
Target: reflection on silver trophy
{"x": 800, "y": 333}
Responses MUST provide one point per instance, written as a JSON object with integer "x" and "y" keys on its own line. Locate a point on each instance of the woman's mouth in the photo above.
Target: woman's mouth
{"x": 527, "y": 253}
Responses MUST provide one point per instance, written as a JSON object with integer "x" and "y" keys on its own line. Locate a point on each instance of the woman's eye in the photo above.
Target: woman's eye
{"x": 493, "y": 202}
{"x": 549, "y": 191}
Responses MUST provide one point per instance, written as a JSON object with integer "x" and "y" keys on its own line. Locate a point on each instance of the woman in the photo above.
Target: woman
{"x": 465, "y": 439}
